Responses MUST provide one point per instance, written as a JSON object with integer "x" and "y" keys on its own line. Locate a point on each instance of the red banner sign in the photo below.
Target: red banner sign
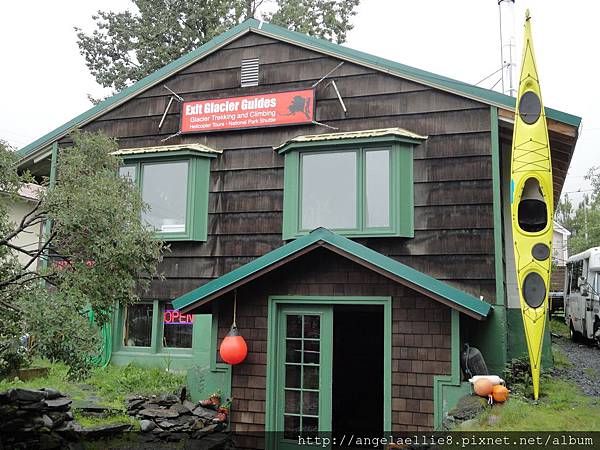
{"x": 251, "y": 111}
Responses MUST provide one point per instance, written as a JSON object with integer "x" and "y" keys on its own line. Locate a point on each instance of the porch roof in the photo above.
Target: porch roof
{"x": 322, "y": 237}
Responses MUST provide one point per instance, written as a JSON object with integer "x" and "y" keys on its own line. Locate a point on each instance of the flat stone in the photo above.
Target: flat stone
{"x": 91, "y": 407}
{"x": 163, "y": 413}
{"x": 4, "y": 397}
{"x": 52, "y": 394}
{"x": 165, "y": 424}
{"x": 26, "y": 395}
{"x": 468, "y": 406}
{"x": 198, "y": 424}
{"x": 48, "y": 422}
{"x": 189, "y": 405}
{"x": 33, "y": 406}
{"x": 101, "y": 431}
{"x": 204, "y": 413}
{"x": 59, "y": 403}
{"x": 135, "y": 404}
{"x": 167, "y": 399}
{"x": 147, "y": 425}
{"x": 180, "y": 408}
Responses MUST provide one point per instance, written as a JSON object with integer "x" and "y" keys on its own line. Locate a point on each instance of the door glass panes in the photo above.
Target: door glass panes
{"x": 138, "y": 325}
{"x": 177, "y": 328}
{"x": 328, "y": 190}
{"x": 164, "y": 188}
{"x": 377, "y": 188}
{"x": 302, "y": 371}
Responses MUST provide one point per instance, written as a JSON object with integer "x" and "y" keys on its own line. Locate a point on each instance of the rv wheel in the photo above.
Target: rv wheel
{"x": 575, "y": 336}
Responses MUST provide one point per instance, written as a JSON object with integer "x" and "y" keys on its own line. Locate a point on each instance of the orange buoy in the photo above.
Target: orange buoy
{"x": 483, "y": 387}
{"x": 233, "y": 349}
{"x": 500, "y": 393}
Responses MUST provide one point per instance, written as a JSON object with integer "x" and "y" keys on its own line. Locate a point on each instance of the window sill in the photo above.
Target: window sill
{"x": 147, "y": 351}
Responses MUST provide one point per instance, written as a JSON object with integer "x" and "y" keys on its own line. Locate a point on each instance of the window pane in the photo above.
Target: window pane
{"x": 138, "y": 325}
{"x": 377, "y": 170}
{"x": 329, "y": 190}
{"x": 127, "y": 172}
{"x": 165, "y": 190}
{"x": 177, "y": 328}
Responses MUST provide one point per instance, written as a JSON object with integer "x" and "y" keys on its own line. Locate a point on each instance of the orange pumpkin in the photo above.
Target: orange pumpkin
{"x": 500, "y": 393}
{"x": 483, "y": 387}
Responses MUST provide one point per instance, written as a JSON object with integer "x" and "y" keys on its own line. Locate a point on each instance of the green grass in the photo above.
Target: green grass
{"x": 112, "y": 384}
{"x": 561, "y": 407}
{"x": 85, "y": 421}
{"x": 560, "y": 359}
{"x": 559, "y": 327}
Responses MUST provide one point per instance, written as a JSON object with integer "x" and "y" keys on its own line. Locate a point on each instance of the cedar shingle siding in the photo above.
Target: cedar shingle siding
{"x": 420, "y": 337}
{"x": 453, "y": 240}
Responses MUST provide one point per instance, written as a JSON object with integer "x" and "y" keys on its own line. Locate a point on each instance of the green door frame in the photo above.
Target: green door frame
{"x": 274, "y": 304}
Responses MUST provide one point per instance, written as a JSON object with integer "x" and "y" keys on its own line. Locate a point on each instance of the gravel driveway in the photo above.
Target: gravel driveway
{"x": 585, "y": 359}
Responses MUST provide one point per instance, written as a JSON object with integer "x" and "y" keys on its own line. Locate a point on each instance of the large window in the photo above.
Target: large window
{"x": 355, "y": 190}
{"x": 177, "y": 328}
{"x": 138, "y": 325}
{"x": 176, "y": 192}
{"x": 155, "y": 327}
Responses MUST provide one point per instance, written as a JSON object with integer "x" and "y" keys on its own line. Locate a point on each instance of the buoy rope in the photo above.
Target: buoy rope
{"x": 234, "y": 307}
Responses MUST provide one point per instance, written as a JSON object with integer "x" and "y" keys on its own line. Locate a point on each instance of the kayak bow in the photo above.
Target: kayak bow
{"x": 531, "y": 206}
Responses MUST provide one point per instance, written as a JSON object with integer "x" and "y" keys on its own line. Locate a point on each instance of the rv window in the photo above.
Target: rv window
{"x": 576, "y": 272}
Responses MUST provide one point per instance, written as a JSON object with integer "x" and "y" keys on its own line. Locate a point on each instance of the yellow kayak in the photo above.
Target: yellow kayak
{"x": 532, "y": 205}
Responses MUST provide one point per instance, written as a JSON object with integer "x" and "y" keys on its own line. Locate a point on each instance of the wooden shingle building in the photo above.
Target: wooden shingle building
{"x": 354, "y": 209}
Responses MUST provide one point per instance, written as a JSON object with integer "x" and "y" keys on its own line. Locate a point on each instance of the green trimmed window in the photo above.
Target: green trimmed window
{"x": 176, "y": 190}
{"x": 354, "y": 187}
{"x": 155, "y": 327}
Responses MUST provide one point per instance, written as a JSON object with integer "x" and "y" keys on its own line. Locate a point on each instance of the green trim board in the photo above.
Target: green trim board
{"x": 157, "y": 355}
{"x": 497, "y": 208}
{"x": 299, "y": 303}
{"x": 447, "y": 389}
{"x": 197, "y": 190}
{"x": 401, "y": 196}
{"x": 320, "y": 45}
{"x": 343, "y": 246}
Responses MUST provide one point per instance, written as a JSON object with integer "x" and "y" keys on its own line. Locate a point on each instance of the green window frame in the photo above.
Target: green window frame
{"x": 401, "y": 195}
{"x": 198, "y": 175}
{"x": 156, "y": 347}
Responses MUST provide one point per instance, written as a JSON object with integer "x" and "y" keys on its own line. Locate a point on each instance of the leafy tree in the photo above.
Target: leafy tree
{"x": 126, "y": 46}
{"x": 584, "y": 221}
{"x": 96, "y": 253}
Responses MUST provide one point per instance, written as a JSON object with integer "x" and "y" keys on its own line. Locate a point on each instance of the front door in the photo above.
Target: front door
{"x": 304, "y": 373}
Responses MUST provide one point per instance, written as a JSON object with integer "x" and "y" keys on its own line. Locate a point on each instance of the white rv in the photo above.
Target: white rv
{"x": 582, "y": 303}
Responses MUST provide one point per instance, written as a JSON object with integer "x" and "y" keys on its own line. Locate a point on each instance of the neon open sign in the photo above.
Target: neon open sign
{"x": 174, "y": 317}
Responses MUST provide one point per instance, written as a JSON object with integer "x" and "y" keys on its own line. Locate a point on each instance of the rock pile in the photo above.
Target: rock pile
{"x": 172, "y": 418}
{"x": 33, "y": 418}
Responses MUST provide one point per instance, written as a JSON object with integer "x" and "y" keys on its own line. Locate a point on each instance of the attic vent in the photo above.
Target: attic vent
{"x": 250, "y": 72}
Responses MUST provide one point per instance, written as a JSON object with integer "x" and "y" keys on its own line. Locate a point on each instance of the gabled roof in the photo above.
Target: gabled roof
{"x": 320, "y": 45}
{"x": 321, "y": 237}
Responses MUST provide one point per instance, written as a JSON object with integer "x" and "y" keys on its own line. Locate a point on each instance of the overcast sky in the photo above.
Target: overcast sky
{"x": 44, "y": 80}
